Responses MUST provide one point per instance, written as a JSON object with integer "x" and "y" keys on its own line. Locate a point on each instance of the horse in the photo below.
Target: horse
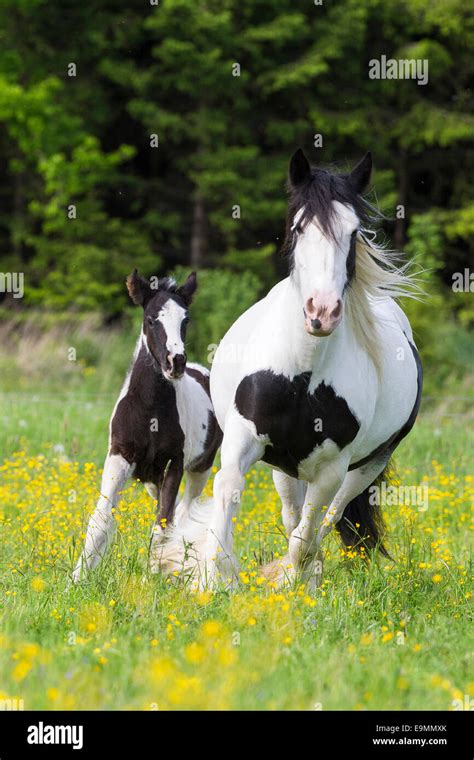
{"x": 321, "y": 379}
{"x": 162, "y": 424}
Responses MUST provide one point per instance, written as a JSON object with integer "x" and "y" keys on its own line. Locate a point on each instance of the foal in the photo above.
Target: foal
{"x": 163, "y": 422}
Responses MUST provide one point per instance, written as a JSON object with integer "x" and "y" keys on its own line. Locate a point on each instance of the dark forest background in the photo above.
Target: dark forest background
{"x": 154, "y": 140}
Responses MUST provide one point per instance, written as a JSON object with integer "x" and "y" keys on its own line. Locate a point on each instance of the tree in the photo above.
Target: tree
{"x": 173, "y": 138}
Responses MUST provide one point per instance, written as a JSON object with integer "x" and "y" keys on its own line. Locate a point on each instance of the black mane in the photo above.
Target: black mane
{"x": 167, "y": 284}
{"x": 315, "y": 197}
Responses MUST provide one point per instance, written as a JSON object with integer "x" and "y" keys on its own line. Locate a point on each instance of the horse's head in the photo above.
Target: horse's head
{"x": 325, "y": 213}
{"x": 165, "y": 318}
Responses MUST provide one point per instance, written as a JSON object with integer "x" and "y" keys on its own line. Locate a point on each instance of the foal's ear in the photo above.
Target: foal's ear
{"x": 300, "y": 170}
{"x": 360, "y": 175}
{"x": 189, "y": 288}
{"x": 138, "y": 288}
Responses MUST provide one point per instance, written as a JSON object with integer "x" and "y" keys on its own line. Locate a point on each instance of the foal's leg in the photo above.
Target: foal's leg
{"x": 303, "y": 543}
{"x": 102, "y": 524}
{"x": 292, "y": 493}
{"x": 240, "y": 450}
{"x": 165, "y": 509}
{"x": 195, "y": 482}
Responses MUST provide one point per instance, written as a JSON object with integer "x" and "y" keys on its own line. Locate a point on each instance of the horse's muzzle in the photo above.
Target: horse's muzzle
{"x": 176, "y": 365}
{"x": 322, "y": 315}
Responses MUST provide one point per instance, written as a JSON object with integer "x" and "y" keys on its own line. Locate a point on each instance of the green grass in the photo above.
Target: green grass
{"x": 388, "y": 635}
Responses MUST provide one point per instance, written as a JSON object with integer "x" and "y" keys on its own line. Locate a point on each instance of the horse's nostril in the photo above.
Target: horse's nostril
{"x": 311, "y": 307}
{"x": 179, "y": 363}
{"x": 337, "y": 310}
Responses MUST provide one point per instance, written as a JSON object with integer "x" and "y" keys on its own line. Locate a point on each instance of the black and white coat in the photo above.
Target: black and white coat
{"x": 328, "y": 385}
{"x": 163, "y": 422}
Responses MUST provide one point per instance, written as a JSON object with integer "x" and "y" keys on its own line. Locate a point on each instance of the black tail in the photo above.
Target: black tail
{"x": 362, "y": 523}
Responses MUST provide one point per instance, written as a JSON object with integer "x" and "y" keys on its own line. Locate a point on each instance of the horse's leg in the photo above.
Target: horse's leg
{"x": 165, "y": 509}
{"x": 355, "y": 483}
{"x": 102, "y": 524}
{"x": 292, "y": 494}
{"x": 153, "y": 489}
{"x": 195, "y": 482}
{"x": 303, "y": 543}
{"x": 240, "y": 450}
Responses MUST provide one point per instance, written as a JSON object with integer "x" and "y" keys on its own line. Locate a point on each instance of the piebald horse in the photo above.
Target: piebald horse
{"x": 162, "y": 425}
{"x": 321, "y": 379}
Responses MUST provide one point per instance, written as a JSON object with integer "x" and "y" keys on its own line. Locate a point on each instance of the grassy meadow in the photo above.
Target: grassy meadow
{"x": 388, "y": 635}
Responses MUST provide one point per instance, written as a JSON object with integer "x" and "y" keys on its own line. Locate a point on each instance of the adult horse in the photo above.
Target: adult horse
{"x": 320, "y": 379}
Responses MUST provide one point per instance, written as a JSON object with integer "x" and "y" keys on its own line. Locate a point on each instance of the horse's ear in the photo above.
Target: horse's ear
{"x": 189, "y": 288}
{"x": 138, "y": 288}
{"x": 300, "y": 170}
{"x": 360, "y": 175}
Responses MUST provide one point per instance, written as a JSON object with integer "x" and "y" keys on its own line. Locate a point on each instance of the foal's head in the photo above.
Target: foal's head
{"x": 325, "y": 213}
{"x": 165, "y": 318}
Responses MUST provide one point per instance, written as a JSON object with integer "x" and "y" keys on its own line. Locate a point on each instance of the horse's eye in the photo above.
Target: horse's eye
{"x": 298, "y": 229}
{"x": 150, "y": 321}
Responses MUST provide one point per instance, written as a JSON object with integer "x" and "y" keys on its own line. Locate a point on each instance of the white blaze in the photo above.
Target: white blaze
{"x": 320, "y": 263}
{"x": 171, "y": 316}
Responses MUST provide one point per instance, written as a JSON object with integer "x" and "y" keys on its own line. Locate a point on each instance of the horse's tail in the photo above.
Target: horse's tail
{"x": 362, "y": 523}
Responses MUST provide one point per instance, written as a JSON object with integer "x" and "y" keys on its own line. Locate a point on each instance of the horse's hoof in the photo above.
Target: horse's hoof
{"x": 279, "y": 572}
{"x": 158, "y": 536}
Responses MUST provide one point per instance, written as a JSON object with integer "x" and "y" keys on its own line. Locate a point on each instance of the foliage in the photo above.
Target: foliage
{"x": 221, "y": 298}
{"x": 445, "y": 345}
{"x": 212, "y": 192}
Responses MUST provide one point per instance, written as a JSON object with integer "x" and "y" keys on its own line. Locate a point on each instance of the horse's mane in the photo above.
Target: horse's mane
{"x": 315, "y": 199}
{"x": 168, "y": 284}
{"x": 379, "y": 272}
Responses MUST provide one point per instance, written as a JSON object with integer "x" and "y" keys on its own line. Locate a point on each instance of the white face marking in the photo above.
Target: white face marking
{"x": 144, "y": 341}
{"x": 171, "y": 316}
{"x": 320, "y": 263}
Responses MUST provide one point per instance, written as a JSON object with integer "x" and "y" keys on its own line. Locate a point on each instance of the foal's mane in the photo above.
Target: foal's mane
{"x": 380, "y": 273}
{"x": 168, "y": 284}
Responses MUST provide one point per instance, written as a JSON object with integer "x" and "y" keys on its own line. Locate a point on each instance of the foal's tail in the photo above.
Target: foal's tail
{"x": 362, "y": 524}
